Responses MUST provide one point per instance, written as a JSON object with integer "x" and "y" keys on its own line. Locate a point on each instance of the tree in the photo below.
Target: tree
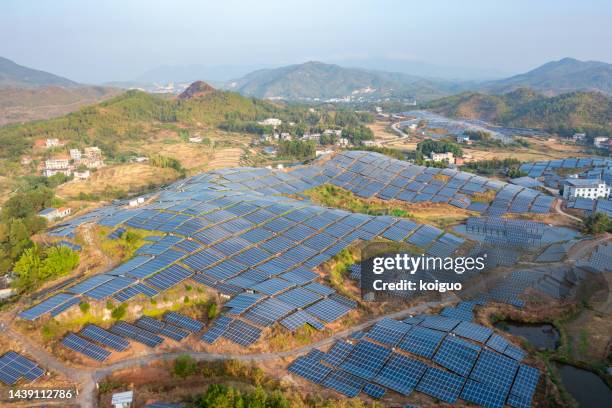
{"x": 184, "y": 366}
{"x": 597, "y": 223}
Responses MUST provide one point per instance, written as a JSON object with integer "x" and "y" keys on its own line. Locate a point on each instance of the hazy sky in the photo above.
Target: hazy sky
{"x": 102, "y": 40}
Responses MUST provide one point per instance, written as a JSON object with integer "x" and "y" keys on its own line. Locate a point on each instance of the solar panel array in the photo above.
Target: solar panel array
{"x": 464, "y": 361}
{"x": 14, "y": 366}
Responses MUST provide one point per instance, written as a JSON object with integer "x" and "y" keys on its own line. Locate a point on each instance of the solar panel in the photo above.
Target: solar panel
{"x": 439, "y": 323}
{"x": 168, "y": 277}
{"x": 85, "y": 347}
{"x": 422, "y": 341}
{"x": 495, "y": 369}
{"x": 338, "y": 353}
{"x": 183, "y": 321}
{"x": 473, "y": 331}
{"x": 298, "y": 319}
{"x": 242, "y": 333}
{"x": 13, "y": 366}
{"x": 268, "y": 311}
{"x": 109, "y": 288}
{"x": 272, "y": 286}
{"x": 344, "y": 383}
{"x": 441, "y": 384}
{"x": 242, "y": 302}
{"x": 89, "y": 284}
{"x": 328, "y": 310}
{"x": 483, "y": 394}
{"x": 125, "y": 329}
{"x": 366, "y": 359}
{"x": 374, "y": 390}
{"x": 388, "y": 331}
{"x": 218, "y": 328}
{"x": 457, "y": 355}
{"x": 524, "y": 387}
{"x": 498, "y": 343}
{"x": 45, "y": 306}
{"x": 104, "y": 337}
{"x": 137, "y": 289}
{"x": 299, "y": 297}
{"x": 401, "y": 373}
{"x": 310, "y": 368}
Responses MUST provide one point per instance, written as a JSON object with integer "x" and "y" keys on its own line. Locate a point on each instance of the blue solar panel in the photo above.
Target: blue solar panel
{"x": 137, "y": 289}
{"x": 218, "y": 328}
{"x": 104, "y": 337}
{"x": 45, "y": 306}
{"x": 422, "y": 341}
{"x": 13, "y": 366}
{"x": 85, "y": 347}
{"x": 495, "y": 369}
{"x": 130, "y": 331}
{"x": 298, "y": 319}
{"x": 374, "y": 390}
{"x": 388, "y": 331}
{"x": 242, "y": 302}
{"x": 483, "y": 394}
{"x": 338, "y": 353}
{"x": 168, "y": 277}
{"x": 473, "y": 331}
{"x": 524, "y": 387}
{"x": 310, "y": 368}
{"x": 268, "y": 311}
{"x": 439, "y": 323}
{"x": 109, "y": 288}
{"x": 299, "y": 297}
{"x": 401, "y": 373}
{"x": 498, "y": 343}
{"x": 344, "y": 383}
{"x": 366, "y": 359}
{"x": 242, "y": 333}
{"x": 457, "y": 355}
{"x": 65, "y": 306}
{"x": 441, "y": 384}
{"x": 272, "y": 286}
{"x": 183, "y": 321}
{"x": 328, "y": 310}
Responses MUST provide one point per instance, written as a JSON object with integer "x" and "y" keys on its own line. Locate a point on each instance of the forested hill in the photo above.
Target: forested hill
{"x": 130, "y": 116}
{"x": 576, "y": 111}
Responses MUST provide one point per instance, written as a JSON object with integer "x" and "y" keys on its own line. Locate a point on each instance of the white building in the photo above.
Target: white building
{"x": 585, "y": 188}
{"x": 195, "y": 139}
{"x": 600, "y": 142}
{"x": 82, "y": 175}
{"x": 464, "y": 139}
{"x": 271, "y": 122}
{"x": 55, "y": 213}
{"x": 578, "y": 136}
{"x": 122, "y": 399}
{"x": 75, "y": 154}
{"x": 439, "y": 157}
{"x": 52, "y": 142}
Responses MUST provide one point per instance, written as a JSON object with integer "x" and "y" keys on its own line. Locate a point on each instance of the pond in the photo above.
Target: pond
{"x": 587, "y": 388}
{"x": 543, "y": 336}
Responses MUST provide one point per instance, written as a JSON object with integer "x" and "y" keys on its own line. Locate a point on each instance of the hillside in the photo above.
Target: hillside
{"x": 196, "y": 90}
{"x": 316, "y": 80}
{"x": 13, "y": 75}
{"x": 587, "y": 111}
{"x": 556, "y": 77}
{"x": 130, "y": 117}
{"x": 27, "y": 104}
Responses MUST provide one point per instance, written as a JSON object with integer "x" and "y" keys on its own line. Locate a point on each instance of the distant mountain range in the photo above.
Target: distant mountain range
{"x": 523, "y": 107}
{"x": 316, "y": 80}
{"x": 30, "y": 94}
{"x": 13, "y": 75}
{"x": 320, "y": 81}
{"x": 558, "y": 77}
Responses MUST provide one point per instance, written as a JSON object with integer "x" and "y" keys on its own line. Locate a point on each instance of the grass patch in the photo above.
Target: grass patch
{"x": 485, "y": 197}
